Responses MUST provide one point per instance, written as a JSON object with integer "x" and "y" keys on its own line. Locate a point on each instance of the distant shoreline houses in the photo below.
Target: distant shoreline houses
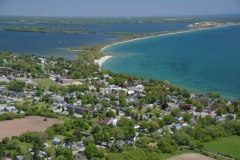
{"x": 10, "y": 71}
{"x": 12, "y": 93}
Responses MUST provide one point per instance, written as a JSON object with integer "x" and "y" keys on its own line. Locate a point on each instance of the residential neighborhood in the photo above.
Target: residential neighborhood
{"x": 104, "y": 111}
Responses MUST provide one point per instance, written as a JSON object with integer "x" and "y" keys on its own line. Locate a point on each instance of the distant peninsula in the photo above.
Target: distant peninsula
{"x": 128, "y": 36}
{"x": 41, "y": 29}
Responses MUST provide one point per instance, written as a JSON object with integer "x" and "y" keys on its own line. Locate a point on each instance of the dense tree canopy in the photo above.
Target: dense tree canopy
{"x": 16, "y": 86}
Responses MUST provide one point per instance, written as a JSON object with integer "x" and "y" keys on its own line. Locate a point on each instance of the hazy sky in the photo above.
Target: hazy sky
{"x": 83, "y": 8}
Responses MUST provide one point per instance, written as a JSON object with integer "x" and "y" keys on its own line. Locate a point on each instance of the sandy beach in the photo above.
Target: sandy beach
{"x": 102, "y": 60}
{"x": 165, "y": 34}
{"x": 144, "y": 38}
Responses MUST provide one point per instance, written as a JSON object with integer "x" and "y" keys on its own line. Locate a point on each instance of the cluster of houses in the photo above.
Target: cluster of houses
{"x": 8, "y": 109}
{"x": 10, "y": 72}
{"x": 132, "y": 92}
{"x": 13, "y": 93}
{"x": 79, "y": 147}
{"x": 70, "y": 145}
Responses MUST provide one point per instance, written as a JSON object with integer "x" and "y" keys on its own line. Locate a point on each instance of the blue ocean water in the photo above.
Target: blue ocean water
{"x": 204, "y": 60}
{"x": 45, "y": 44}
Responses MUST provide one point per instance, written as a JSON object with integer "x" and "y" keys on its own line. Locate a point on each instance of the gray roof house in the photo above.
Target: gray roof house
{"x": 56, "y": 141}
{"x": 69, "y": 145}
{"x": 19, "y": 157}
{"x": 180, "y": 118}
{"x": 36, "y": 99}
{"x": 77, "y": 109}
{"x": 2, "y": 108}
{"x": 177, "y": 126}
{"x": 11, "y": 108}
{"x": 80, "y": 144}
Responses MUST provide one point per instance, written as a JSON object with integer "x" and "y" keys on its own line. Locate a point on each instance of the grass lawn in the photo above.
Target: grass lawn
{"x": 153, "y": 144}
{"x": 71, "y": 131}
{"x": 94, "y": 119}
{"x": 40, "y": 104}
{"x": 45, "y": 82}
{"x": 229, "y": 145}
{"x": 139, "y": 112}
{"x": 24, "y": 146}
{"x": 76, "y": 80}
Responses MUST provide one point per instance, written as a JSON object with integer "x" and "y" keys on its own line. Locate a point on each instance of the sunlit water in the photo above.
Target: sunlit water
{"x": 205, "y": 60}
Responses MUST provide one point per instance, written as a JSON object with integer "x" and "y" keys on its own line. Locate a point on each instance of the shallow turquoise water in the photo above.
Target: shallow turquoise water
{"x": 206, "y": 60}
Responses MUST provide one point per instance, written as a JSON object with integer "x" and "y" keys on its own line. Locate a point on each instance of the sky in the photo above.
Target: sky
{"x": 118, "y": 8}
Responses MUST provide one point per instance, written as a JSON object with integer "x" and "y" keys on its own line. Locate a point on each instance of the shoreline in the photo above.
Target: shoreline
{"x": 164, "y": 34}
{"x": 102, "y": 60}
{"x": 171, "y": 33}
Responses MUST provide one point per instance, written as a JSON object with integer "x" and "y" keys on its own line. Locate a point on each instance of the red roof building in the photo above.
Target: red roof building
{"x": 106, "y": 121}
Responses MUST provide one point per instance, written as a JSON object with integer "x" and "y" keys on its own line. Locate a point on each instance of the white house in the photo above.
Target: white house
{"x": 2, "y": 108}
{"x": 11, "y": 108}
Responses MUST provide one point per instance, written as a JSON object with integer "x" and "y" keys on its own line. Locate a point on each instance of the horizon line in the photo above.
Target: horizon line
{"x": 202, "y": 15}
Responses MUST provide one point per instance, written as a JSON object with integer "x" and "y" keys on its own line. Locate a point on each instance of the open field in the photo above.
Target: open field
{"x": 229, "y": 146}
{"x": 45, "y": 82}
{"x": 18, "y": 126}
{"x": 190, "y": 156}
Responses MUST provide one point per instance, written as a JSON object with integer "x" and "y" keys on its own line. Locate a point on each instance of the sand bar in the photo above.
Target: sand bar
{"x": 76, "y": 50}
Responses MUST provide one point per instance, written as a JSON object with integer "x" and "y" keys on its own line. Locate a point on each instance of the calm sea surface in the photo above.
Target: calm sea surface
{"x": 202, "y": 61}
{"x": 45, "y": 44}
{"x": 206, "y": 60}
